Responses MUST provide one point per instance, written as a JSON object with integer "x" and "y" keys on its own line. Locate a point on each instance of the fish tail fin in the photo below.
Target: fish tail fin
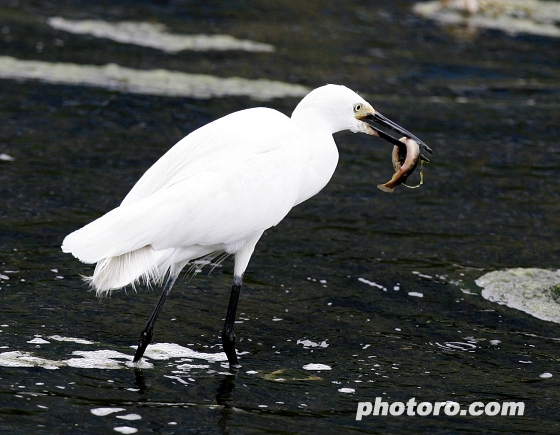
{"x": 386, "y": 188}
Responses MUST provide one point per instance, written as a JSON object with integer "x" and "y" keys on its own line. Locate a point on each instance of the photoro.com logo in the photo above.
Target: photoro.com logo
{"x": 449, "y": 408}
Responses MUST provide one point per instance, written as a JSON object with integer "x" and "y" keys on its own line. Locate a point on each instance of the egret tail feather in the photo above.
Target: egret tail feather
{"x": 147, "y": 266}
{"x": 113, "y": 273}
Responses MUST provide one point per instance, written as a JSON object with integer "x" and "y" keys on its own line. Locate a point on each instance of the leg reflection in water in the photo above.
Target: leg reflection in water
{"x": 139, "y": 380}
{"x": 224, "y": 398}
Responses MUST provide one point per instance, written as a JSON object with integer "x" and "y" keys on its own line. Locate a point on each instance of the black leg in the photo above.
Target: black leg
{"x": 228, "y": 335}
{"x": 148, "y": 332}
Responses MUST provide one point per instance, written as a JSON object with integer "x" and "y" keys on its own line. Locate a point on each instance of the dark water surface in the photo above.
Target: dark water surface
{"x": 486, "y": 103}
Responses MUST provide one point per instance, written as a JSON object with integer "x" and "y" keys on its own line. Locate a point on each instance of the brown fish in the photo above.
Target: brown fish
{"x": 405, "y": 160}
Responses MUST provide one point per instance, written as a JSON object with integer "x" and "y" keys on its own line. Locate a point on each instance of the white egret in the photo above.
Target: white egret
{"x": 217, "y": 190}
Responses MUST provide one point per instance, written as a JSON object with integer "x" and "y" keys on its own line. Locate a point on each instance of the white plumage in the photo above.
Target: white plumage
{"x": 217, "y": 190}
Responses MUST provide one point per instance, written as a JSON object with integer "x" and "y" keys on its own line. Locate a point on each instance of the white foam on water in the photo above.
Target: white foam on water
{"x": 102, "y": 412}
{"x": 125, "y": 429}
{"x": 26, "y": 359}
{"x": 39, "y": 340}
{"x": 129, "y": 417}
{"x": 142, "y": 364}
{"x": 373, "y": 284}
{"x": 165, "y": 351}
{"x": 347, "y": 390}
{"x": 112, "y": 359}
{"x": 150, "y": 82}
{"x": 422, "y": 275}
{"x": 6, "y": 158}
{"x": 453, "y": 346}
{"x": 512, "y": 16}
{"x": 308, "y": 343}
{"x": 534, "y": 291}
{"x": 70, "y": 339}
{"x": 545, "y": 375}
{"x": 155, "y": 35}
{"x": 97, "y": 359}
{"x": 312, "y": 366}
{"x": 416, "y": 294}
{"x": 188, "y": 367}
{"x": 177, "y": 378}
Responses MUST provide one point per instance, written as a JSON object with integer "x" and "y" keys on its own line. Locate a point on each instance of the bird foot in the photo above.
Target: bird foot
{"x": 145, "y": 339}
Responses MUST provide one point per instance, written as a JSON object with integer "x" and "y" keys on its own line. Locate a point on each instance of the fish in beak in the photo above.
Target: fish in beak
{"x": 405, "y": 160}
{"x": 406, "y": 150}
{"x": 373, "y": 117}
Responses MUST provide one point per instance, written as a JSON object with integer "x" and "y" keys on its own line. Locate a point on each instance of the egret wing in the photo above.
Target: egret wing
{"x": 241, "y": 187}
{"x": 236, "y": 136}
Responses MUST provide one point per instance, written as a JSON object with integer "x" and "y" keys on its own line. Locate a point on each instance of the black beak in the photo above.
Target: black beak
{"x": 387, "y": 123}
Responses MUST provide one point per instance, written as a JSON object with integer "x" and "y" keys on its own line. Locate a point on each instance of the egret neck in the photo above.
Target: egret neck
{"x": 318, "y": 129}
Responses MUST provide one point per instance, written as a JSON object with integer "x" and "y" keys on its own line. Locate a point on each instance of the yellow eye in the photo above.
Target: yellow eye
{"x": 357, "y": 107}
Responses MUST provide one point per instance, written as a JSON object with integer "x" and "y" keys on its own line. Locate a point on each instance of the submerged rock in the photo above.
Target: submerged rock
{"x": 534, "y": 291}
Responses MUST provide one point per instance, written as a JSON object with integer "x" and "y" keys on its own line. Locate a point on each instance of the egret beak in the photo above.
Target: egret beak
{"x": 378, "y": 118}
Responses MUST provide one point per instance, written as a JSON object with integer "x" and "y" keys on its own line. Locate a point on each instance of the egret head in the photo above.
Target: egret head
{"x": 343, "y": 109}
